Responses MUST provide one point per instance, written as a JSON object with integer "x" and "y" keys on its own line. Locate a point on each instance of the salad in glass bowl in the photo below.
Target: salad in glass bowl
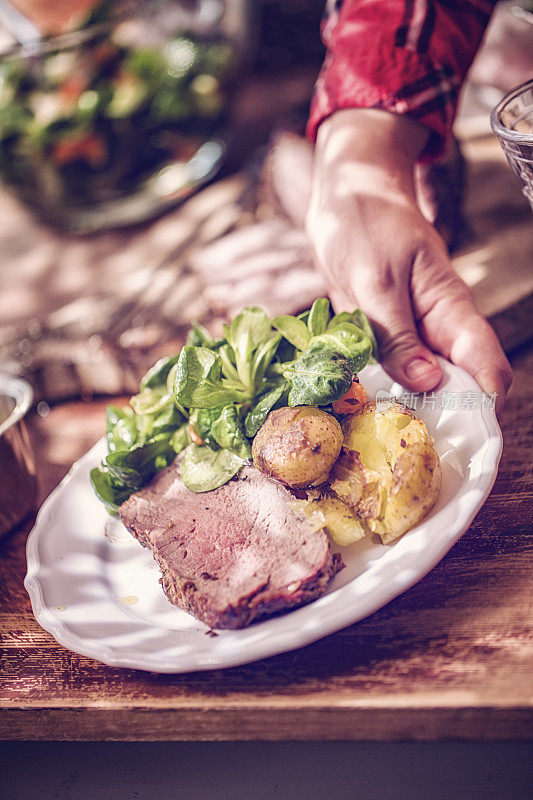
{"x": 110, "y": 123}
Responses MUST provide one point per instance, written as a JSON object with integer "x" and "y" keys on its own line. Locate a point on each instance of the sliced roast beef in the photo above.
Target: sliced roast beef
{"x": 233, "y": 555}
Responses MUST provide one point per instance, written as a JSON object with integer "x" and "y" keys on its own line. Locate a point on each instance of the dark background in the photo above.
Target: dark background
{"x": 266, "y": 771}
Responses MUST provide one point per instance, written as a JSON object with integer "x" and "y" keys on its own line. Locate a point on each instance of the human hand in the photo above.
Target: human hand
{"x": 378, "y": 251}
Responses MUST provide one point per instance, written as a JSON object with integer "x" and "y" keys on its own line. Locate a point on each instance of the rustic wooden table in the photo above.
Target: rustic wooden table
{"x": 451, "y": 658}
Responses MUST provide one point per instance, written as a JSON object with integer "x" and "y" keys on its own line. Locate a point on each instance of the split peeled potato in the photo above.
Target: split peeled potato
{"x": 388, "y": 472}
{"x": 331, "y": 513}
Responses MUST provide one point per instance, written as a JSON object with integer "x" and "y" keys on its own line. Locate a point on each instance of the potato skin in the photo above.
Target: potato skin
{"x": 389, "y": 472}
{"x": 297, "y": 446}
{"x": 417, "y": 479}
{"x": 416, "y": 482}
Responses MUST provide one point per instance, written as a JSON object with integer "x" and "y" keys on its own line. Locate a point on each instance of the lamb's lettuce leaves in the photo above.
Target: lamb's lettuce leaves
{"x": 110, "y": 491}
{"x": 227, "y": 431}
{"x": 348, "y": 340}
{"x": 284, "y": 352}
{"x": 319, "y": 315}
{"x": 158, "y": 374}
{"x": 318, "y": 376}
{"x": 198, "y": 382}
{"x": 358, "y": 318}
{"x": 222, "y": 390}
{"x": 294, "y": 330}
{"x": 126, "y": 471}
{"x": 275, "y": 396}
{"x": 168, "y": 420}
{"x": 181, "y": 438}
{"x": 263, "y": 357}
{"x": 141, "y": 460}
{"x": 222, "y": 427}
{"x": 203, "y": 469}
{"x": 201, "y": 420}
{"x": 247, "y": 332}
{"x": 121, "y": 428}
{"x": 151, "y": 400}
{"x": 229, "y": 367}
{"x": 198, "y": 336}
{"x": 340, "y": 318}
{"x": 155, "y": 412}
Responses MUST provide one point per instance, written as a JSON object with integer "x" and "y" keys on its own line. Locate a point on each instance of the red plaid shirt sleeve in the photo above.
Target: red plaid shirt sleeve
{"x": 405, "y": 56}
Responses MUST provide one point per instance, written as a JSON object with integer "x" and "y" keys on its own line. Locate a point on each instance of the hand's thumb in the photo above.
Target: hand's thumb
{"x": 402, "y": 353}
{"x": 405, "y": 358}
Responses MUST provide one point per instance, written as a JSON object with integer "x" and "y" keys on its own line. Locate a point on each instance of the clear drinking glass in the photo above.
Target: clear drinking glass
{"x": 512, "y": 122}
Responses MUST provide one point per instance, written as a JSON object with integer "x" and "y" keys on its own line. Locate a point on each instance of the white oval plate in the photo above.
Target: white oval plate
{"x": 96, "y": 590}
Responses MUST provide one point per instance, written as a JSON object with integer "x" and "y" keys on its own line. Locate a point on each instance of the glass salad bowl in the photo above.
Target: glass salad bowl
{"x": 512, "y": 122}
{"x": 111, "y": 123}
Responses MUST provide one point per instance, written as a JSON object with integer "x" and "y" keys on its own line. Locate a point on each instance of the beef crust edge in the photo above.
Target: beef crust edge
{"x": 252, "y": 608}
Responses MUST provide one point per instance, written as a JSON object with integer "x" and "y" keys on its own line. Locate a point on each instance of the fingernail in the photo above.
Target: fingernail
{"x": 419, "y": 367}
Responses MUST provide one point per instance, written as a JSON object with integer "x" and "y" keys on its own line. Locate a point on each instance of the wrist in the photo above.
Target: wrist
{"x": 370, "y": 146}
{"x": 372, "y": 133}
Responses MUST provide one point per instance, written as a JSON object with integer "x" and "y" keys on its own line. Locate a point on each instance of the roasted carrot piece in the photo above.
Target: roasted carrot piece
{"x": 350, "y": 402}
{"x": 194, "y": 436}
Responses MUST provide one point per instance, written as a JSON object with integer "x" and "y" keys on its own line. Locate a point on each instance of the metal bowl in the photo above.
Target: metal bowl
{"x": 18, "y": 484}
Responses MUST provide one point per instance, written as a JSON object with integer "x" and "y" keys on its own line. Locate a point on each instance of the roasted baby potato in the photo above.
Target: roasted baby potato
{"x": 389, "y": 471}
{"x": 298, "y": 446}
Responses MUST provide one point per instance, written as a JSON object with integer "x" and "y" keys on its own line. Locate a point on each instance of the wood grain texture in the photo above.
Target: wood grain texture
{"x": 450, "y": 658}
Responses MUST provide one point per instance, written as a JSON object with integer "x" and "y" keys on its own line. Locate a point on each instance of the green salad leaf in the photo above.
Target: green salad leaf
{"x": 201, "y": 420}
{"x": 221, "y": 427}
{"x": 348, "y": 340}
{"x": 110, "y": 491}
{"x": 141, "y": 460}
{"x": 167, "y": 420}
{"x": 284, "y": 352}
{"x": 263, "y": 357}
{"x": 181, "y": 438}
{"x": 319, "y": 315}
{"x": 121, "y": 428}
{"x": 227, "y": 431}
{"x": 229, "y": 367}
{"x": 126, "y": 471}
{"x": 360, "y": 319}
{"x": 274, "y": 397}
{"x": 203, "y": 469}
{"x": 319, "y": 376}
{"x": 150, "y": 401}
{"x": 294, "y": 330}
{"x": 198, "y": 382}
{"x": 158, "y": 374}
{"x": 198, "y": 336}
{"x": 249, "y": 330}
